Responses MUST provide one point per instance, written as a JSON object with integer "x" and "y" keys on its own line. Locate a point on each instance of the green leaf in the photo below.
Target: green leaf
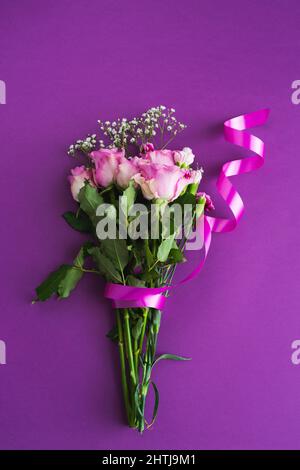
{"x": 137, "y": 403}
{"x": 116, "y": 251}
{"x": 137, "y": 255}
{"x": 137, "y": 329}
{"x": 156, "y": 317}
{"x": 73, "y": 275}
{"x": 186, "y": 198}
{"x": 50, "y": 286}
{"x": 69, "y": 282}
{"x": 79, "y": 222}
{"x": 171, "y": 357}
{"x": 113, "y": 334}
{"x": 200, "y": 207}
{"x": 82, "y": 254}
{"x": 65, "y": 278}
{"x": 156, "y": 403}
{"x": 175, "y": 256}
{"x": 148, "y": 253}
{"x": 130, "y": 195}
{"x": 149, "y": 276}
{"x": 192, "y": 188}
{"x": 107, "y": 189}
{"x": 134, "y": 281}
{"x": 105, "y": 265}
{"x": 165, "y": 248}
{"x": 89, "y": 199}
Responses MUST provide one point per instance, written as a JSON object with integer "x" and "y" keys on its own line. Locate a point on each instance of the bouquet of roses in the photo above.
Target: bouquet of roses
{"x": 138, "y": 201}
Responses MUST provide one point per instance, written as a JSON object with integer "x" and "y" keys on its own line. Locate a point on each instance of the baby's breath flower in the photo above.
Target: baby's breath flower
{"x": 85, "y": 146}
{"x": 139, "y": 130}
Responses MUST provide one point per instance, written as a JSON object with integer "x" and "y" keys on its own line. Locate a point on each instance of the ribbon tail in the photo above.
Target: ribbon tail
{"x": 234, "y": 132}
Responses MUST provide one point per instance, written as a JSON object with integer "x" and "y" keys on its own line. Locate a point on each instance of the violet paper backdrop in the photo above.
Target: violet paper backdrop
{"x": 67, "y": 64}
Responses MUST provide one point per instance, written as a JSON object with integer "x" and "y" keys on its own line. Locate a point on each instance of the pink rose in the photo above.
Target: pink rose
{"x": 105, "y": 165}
{"x": 111, "y": 166}
{"x": 209, "y": 205}
{"x": 167, "y": 182}
{"x": 127, "y": 168}
{"x": 184, "y": 156}
{"x": 77, "y": 179}
{"x": 162, "y": 157}
{"x": 195, "y": 175}
{"x": 148, "y": 147}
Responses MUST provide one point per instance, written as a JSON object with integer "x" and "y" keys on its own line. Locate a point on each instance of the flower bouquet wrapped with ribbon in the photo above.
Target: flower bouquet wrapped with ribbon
{"x": 139, "y": 204}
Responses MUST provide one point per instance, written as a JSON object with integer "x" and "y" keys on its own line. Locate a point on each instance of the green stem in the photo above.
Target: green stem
{"x": 145, "y": 385}
{"x": 129, "y": 347}
{"x": 80, "y": 268}
{"x": 149, "y": 357}
{"x": 153, "y": 265}
{"x": 123, "y": 368}
{"x": 145, "y": 315}
{"x": 135, "y": 356}
{"x": 131, "y": 366}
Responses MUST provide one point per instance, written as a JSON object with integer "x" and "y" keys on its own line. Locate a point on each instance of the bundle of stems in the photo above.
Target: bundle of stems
{"x": 137, "y": 357}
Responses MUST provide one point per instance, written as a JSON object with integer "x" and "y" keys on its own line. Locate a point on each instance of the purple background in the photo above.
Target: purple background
{"x": 67, "y": 64}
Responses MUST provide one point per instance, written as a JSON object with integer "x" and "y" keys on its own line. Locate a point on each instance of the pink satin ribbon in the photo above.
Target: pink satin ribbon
{"x": 234, "y": 132}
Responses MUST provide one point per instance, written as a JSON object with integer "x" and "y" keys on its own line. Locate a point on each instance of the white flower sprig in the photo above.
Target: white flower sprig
{"x": 158, "y": 125}
{"x": 85, "y": 146}
{"x": 152, "y": 126}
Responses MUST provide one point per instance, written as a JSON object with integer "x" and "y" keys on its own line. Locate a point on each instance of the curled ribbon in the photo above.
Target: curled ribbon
{"x": 234, "y": 132}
